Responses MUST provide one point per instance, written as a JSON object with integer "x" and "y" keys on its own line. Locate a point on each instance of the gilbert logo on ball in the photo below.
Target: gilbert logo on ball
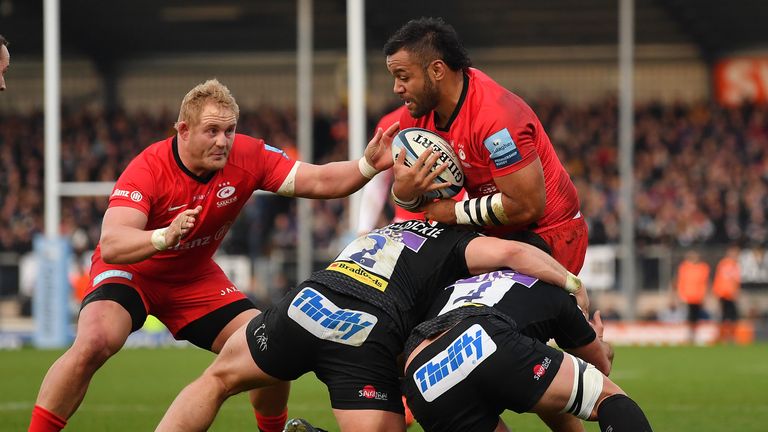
{"x": 416, "y": 141}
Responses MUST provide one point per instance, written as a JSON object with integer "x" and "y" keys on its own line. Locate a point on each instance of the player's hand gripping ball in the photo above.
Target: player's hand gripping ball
{"x": 416, "y": 141}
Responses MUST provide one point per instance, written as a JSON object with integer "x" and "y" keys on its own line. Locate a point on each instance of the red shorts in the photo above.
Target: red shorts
{"x": 174, "y": 302}
{"x": 569, "y": 243}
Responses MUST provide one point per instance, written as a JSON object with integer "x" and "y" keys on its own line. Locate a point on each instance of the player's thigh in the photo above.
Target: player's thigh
{"x": 577, "y": 388}
{"x": 235, "y": 367}
{"x": 108, "y": 315}
{"x": 204, "y": 310}
{"x": 369, "y": 420}
{"x": 233, "y": 325}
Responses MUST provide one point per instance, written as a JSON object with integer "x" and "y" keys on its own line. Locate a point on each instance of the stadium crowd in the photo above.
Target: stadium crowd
{"x": 701, "y": 171}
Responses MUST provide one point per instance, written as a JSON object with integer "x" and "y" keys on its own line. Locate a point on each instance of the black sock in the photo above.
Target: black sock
{"x": 618, "y": 413}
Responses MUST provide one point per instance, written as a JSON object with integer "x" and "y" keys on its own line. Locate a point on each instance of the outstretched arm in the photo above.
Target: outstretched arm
{"x": 484, "y": 254}
{"x": 340, "y": 179}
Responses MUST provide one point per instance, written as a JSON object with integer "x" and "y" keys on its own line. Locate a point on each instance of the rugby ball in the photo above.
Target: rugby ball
{"x": 416, "y": 141}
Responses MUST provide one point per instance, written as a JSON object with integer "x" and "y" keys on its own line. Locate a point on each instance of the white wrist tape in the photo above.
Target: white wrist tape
{"x": 158, "y": 239}
{"x": 572, "y": 283}
{"x": 486, "y": 210}
{"x": 366, "y": 169}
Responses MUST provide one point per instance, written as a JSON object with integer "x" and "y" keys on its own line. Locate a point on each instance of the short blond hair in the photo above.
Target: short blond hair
{"x": 211, "y": 91}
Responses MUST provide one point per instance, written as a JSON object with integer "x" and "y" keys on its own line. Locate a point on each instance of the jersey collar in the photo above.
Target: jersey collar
{"x": 464, "y": 90}
{"x": 177, "y": 158}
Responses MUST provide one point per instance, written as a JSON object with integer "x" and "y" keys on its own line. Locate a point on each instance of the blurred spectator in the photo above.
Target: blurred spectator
{"x": 673, "y": 313}
{"x": 726, "y": 288}
{"x": 701, "y": 173}
{"x": 692, "y": 283}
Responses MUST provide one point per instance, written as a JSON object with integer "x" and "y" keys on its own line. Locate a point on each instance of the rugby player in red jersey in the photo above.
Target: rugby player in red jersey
{"x": 167, "y": 215}
{"x": 517, "y": 186}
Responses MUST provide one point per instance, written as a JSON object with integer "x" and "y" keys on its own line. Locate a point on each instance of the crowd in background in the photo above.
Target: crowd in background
{"x": 701, "y": 172}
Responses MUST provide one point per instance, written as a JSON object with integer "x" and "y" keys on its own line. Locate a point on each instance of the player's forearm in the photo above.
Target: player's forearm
{"x": 497, "y": 209}
{"x": 125, "y": 245}
{"x": 531, "y": 260}
{"x": 332, "y": 180}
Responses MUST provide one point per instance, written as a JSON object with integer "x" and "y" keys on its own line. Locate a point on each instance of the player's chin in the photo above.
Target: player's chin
{"x": 217, "y": 162}
{"x": 414, "y": 110}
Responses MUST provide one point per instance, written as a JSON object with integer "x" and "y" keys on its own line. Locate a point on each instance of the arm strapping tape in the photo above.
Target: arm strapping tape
{"x": 288, "y": 188}
{"x": 486, "y": 210}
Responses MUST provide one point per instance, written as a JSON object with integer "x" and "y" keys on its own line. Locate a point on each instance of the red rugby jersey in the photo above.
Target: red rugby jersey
{"x": 495, "y": 133}
{"x": 158, "y": 184}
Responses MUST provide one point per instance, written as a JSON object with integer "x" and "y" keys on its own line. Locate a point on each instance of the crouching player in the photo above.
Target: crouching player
{"x": 483, "y": 352}
{"x": 351, "y": 321}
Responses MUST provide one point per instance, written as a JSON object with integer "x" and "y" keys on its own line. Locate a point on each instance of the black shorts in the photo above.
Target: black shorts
{"x": 466, "y": 378}
{"x": 694, "y": 312}
{"x": 352, "y": 346}
{"x": 728, "y": 310}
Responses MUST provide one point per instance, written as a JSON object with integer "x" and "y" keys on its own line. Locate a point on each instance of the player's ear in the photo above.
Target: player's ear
{"x": 437, "y": 69}
{"x": 182, "y": 128}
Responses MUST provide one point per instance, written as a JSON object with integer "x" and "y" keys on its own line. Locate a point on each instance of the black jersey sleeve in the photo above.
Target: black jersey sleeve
{"x": 573, "y": 328}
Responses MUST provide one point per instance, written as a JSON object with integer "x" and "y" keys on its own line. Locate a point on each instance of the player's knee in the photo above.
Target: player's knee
{"x": 95, "y": 347}
{"x": 224, "y": 384}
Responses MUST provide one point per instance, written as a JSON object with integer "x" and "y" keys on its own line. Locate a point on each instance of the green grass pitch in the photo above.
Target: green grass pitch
{"x": 680, "y": 388}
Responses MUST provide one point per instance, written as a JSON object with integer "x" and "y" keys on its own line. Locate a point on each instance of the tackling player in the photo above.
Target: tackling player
{"x": 351, "y": 321}
{"x": 483, "y": 351}
{"x": 167, "y": 215}
{"x": 517, "y": 186}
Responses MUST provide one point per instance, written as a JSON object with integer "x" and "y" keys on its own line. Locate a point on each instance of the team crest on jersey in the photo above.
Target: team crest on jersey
{"x": 503, "y": 150}
{"x": 225, "y": 194}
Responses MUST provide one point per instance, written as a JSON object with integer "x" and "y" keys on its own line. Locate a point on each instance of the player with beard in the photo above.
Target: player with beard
{"x": 517, "y": 186}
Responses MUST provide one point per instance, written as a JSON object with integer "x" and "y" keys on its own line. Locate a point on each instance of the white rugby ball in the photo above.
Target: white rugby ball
{"x": 416, "y": 141}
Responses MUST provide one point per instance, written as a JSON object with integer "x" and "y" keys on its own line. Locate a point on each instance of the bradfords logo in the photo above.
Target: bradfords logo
{"x": 225, "y": 192}
{"x": 455, "y": 363}
{"x": 369, "y": 392}
{"x": 540, "y": 369}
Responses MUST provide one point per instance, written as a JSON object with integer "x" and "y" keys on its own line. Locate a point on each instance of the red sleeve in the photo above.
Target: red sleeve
{"x": 506, "y": 138}
{"x": 268, "y": 164}
{"x": 136, "y": 186}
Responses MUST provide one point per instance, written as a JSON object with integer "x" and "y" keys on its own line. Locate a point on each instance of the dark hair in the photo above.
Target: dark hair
{"x": 3, "y": 41}
{"x": 430, "y": 39}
